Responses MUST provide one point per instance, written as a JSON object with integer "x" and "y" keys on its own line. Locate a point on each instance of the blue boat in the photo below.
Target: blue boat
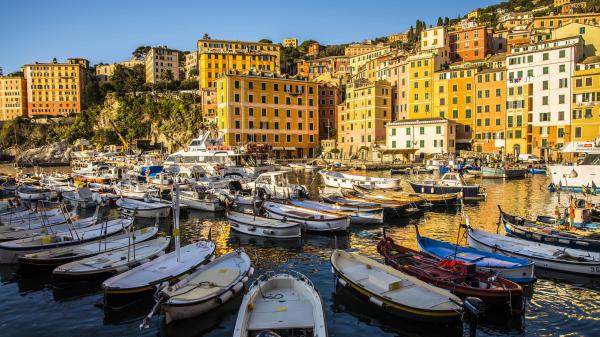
{"x": 444, "y": 169}
{"x": 537, "y": 171}
{"x": 515, "y": 269}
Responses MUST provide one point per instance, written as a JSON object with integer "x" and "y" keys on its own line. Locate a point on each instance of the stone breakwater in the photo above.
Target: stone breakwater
{"x": 59, "y": 153}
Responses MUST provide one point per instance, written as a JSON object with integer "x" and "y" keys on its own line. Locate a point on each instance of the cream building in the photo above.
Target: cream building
{"x": 357, "y": 61}
{"x": 434, "y": 38}
{"x": 589, "y": 33}
{"x": 160, "y": 61}
{"x": 13, "y": 97}
{"x": 191, "y": 62}
{"x": 425, "y": 136}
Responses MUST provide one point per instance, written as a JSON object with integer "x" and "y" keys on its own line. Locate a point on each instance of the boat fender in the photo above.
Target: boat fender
{"x": 376, "y": 301}
{"x": 251, "y": 271}
{"x": 122, "y": 269}
{"x": 245, "y": 279}
{"x": 342, "y": 282}
{"x": 224, "y": 297}
{"x": 236, "y": 288}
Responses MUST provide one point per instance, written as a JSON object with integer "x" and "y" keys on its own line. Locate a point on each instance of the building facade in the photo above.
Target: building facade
{"x": 105, "y": 71}
{"x": 469, "y": 44}
{"x": 359, "y": 49}
{"x": 290, "y": 42}
{"x": 217, "y": 57}
{"x": 585, "y": 121}
{"x": 330, "y": 97}
{"x": 191, "y": 63}
{"x": 162, "y": 64}
{"x": 55, "y": 89}
{"x": 426, "y": 136}
{"x": 267, "y": 108}
{"x": 314, "y": 49}
{"x": 434, "y": 38}
{"x": 357, "y": 61}
{"x": 490, "y": 110}
{"x": 13, "y": 98}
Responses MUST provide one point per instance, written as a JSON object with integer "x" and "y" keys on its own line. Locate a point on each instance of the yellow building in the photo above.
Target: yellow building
{"x": 359, "y": 48}
{"x": 13, "y": 97}
{"x": 585, "y": 122}
{"x": 519, "y": 107}
{"x": 258, "y": 107}
{"x": 191, "y": 63}
{"x": 421, "y": 68}
{"x": 217, "y": 57}
{"x": 362, "y": 117}
{"x": 400, "y": 37}
{"x": 160, "y": 62}
{"x": 358, "y": 61}
{"x": 105, "y": 71}
{"x": 473, "y": 14}
{"x": 555, "y": 21}
{"x": 54, "y": 89}
{"x": 589, "y": 33}
{"x": 490, "y": 110}
{"x": 290, "y": 42}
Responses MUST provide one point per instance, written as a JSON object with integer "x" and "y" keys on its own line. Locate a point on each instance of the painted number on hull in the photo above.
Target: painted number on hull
{"x": 595, "y": 269}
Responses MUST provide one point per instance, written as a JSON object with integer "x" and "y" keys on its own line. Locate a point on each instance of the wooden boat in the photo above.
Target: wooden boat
{"x": 450, "y": 182}
{"x": 210, "y": 286}
{"x": 501, "y": 172}
{"x": 518, "y": 270}
{"x": 349, "y": 201}
{"x": 394, "y": 207}
{"x": 9, "y": 233}
{"x": 33, "y": 193}
{"x": 357, "y": 215}
{"x": 11, "y": 250}
{"x": 53, "y": 258}
{"x": 543, "y": 255}
{"x": 447, "y": 199}
{"x": 310, "y": 219}
{"x": 393, "y": 290}
{"x": 343, "y": 180}
{"x": 112, "y": 262}
{"x": 260, "y": 226}
{"x": 144, "y": 279}
{"x": 143, "y": 209}
{"x": 201, "y": 200}
{"x": 460, "y": 278}
{"x": 544, "y": 233}
{"x": 82, "y": 198}
{"x": 281, "y": 303}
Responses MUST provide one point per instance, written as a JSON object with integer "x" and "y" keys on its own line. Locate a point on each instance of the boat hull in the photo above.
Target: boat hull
{"x": 200, "y": 205}
{"x": 315, "y": 225}
{"x": 492, "y": 172}
{"x": 466, "y": 191}
{"x": 266, "y": 231}
{"x": 347, "y": 181}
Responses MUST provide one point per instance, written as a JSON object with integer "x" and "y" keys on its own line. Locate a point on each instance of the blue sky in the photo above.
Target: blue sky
{"x": 109, "y": 30}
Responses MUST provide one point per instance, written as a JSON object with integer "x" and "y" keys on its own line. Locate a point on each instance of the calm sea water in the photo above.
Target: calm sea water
{"x": 557, "y": 305}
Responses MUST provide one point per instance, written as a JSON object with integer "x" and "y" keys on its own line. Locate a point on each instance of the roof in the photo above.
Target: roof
{"x": 591, "y": 60}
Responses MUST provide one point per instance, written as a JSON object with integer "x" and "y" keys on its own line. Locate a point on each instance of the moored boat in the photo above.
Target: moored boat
{"x": 503, "y": 172}
{"x": 310, "y": 219}
{"x": 448, "y": 199}
{"x": 343, "y": 180}
{"x": 200, "y": 199}
{"x": 143, "y": 209}
{"x": 260, "y": 226}
{"x": 33, "y": 193}
{"x": 82, "y": 198}
{"x": 358, "y": 215}
{"x": 450, "y": 182}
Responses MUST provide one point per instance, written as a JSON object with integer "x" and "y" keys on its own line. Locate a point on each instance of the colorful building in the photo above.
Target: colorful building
{"x": 329, "y": 98}
{"x": 208, "y": 99}
{"x": 589, "y": 33}
{"x": 469, "y": 44}
{"x": 290, "y": 42}
{"x": 55, "y": 89}
{"x": 585, "y": 123}
{"x": 421, "y": 137}
{"x": 162, "y": 64}
{"x": 360, "y": 48}
{"x": 398, "y": 77}
{"x": 434, "y": 39}
{"x": 191, "y": 63}
{"x": 356, "y": 62}
{"x": 105, "y": 71}
{"x": 490, "y": 110}
{"x": 217, "y": 57}
{"x": 260, "y": 107}
{"x": 421, "y": 69}
{"x": 314, "y": 49}
{"x": 400, "y": 37}
{"x": 362, "y": 117}
{"x": 13, "y": 97}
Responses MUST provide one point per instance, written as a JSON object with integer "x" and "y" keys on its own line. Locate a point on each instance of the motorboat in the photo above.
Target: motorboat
{"x": 137, "y": 191}
{"x": 503, "y": 172}
{"x": 145, "y": 209}
{"x": 82, "y": 198}
{"x": 56, "y": 224}
{"x": 281, "y": 304}
{"x": 343, "y": 180}
{"x": 276, "y": 185}
{"x": 577, "y": 177}
{"x": 202, "y": 199}
{"x": 261, "y": 226}
{"x": 357, "y": 215}
{"x": 311, "y": 220}
{"x": 33, "y": 193}
{"x": 450, "y": 182}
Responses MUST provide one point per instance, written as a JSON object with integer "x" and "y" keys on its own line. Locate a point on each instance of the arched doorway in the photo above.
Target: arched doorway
{"x": 517, "y": 150}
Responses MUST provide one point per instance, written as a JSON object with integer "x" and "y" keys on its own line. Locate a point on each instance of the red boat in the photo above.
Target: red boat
{"x": 459, "y": 277}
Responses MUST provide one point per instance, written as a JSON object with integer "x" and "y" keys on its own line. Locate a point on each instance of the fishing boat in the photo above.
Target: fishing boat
{"x": 343, "y": 180}
{"x": 146, "y": 278}
{"x": 310, "y": 219}
{"x": 391, "y": 207}
{"x": 450, "y": 182}
{"x": 37, "y": 219}
{"x": 9, "y": 233}
{"x": 11, "y": 250}
{"x": 358, "y": 215}
{"x": 33, "y": 193}
{"x": 53, "y": 258}
{"x": 26, "y": 215}
{"x": 138, "y": 191}
{"x": 281, "y": 304}
{"x": 543, "y": 255}
{"x": 393, "y": 290}
{"x": 337, "y": 199}
{"x": 260, "y": 226}
{"x": 549, "y": 234}
{"x": 112, "y": 262}
{"x": 460, "y": 278}
{"x": 199, "y": 198}
{"x": 143, "y": 209}
{"x": 447, "y": 199}
{"x": 82, "y": 198}
{"x": 276, "y": 185}
{"x": 518, "y": 270}
{"x": 503, "y": 172}
{"x": 209, "y": 287}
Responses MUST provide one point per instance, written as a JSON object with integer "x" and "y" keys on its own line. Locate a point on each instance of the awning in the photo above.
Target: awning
{"x": 580, "y": 147}
{"x": 463, "y": 141}
{"x": 278, "y": 148}
{"x": 290, "y": 149}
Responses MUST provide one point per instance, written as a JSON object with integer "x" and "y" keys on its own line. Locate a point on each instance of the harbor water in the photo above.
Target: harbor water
{"x": 557, "y": 305}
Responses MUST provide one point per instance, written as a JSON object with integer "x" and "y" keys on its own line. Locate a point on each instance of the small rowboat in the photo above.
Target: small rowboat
{"x": 350, "y": 201}
{"x": 394, "y": 207}
{"x": 33, "y": 193}
{"x": 55, "y": 257}
{"x": 144, "y": 209}
{"x": 544, "y": 233}
{"x": 543, "y": 255}
{"x": 281, "y": 303}
{"x": 458, "y": 277}
{"x": 261, "y": 226}
{"x": 343, "y": 180}
{"x": 515, "y": 269}
{"x": 311, "y": 220}
{"x": 393, "y": 290}
{"x": 207, "y": 288}
{"x": 27, "y": 216}
{"x": 357, "y": 215}
{"x": 9, "y": 233}
{"x": 445, "y": 199}
{"x": 112, "y": 262}
{"x": 39, "y": 219}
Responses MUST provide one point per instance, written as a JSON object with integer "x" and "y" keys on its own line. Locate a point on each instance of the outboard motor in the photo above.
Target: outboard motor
{"x": 473, "y": 309}
{"x": 268, "y": 333}
{"x": 301, "y": 192}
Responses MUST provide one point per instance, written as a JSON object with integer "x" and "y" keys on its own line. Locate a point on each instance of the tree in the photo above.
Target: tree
{"x": 16, "y": 74}
{"x": 206, "y": 37}
{"x": 140, "y": 52}
{"x": 440, "y": 21}
{"x": 304, "y": 46}
{"x": 265, "y": 41}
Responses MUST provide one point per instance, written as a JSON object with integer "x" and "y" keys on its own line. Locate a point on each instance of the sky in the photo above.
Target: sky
{"x": 109, "y": 30}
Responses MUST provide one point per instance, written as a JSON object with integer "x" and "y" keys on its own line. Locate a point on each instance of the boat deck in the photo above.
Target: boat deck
{"x": 281, "y": 309}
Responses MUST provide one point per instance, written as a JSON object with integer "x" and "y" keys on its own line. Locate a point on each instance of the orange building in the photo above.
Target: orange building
{"x": 517, "y": 37}
{"x": 490, "y": 110}
{"x": 469, "y": 44}
{"x": 314, "y": 49}
{"x": 329, "y": 98}
{"x": 13, "y": 97}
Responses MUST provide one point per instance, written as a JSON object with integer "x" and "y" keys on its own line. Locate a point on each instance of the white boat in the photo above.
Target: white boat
{"x": 207, "y": 288}
{"x": 201, "y": 200}
{"x": 310, "y": 219}
{"x": 450, "y": 182}
{"x": 8, "y": 233}
{"x": 281, "y": 303}
{"x": 136, "y": 191}
{"x": 276, "y": 185}
{"x": 114, "y": 261}
{"x": 142, "y": 209}
{"x": 82, "y": 198}
{"x": 56, "y": 257}
{"x": 358, "y": 215}
{"x": 576, "y": 177}
{"x": 402, "y": 294}
{"x": 343, "y": 180}
{"x": 11, "y": 250}
{"x": 33, "y": 193}
{"x": 543, "y": 255}
{"x": 261, "y": 226}
{"x": 38, "y": 219}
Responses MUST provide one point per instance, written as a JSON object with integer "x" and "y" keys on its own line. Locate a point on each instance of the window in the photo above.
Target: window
{"x": 544, "y": 100}
{"x": 408, "y": 131}
{"x": 422, "y": 143}
{"x": 561, "y": 99}
{"x": 545, "y": 56}
{"x": 562, "y": 54}
{"x": 545, "y": 85}
{"x": 422, "y": 130}
{"x": 561, "y": 68}
{"x": 408, "y": 143}
{"x": 578, "y": 132}
{"x": 561, "y": 115}
{"x": 455, "y": 114}
{"x": 561, "y": 132}
{"x": 545, "y": 70}
{"x": 582, "y": 30}
{"x": 438, "y": 130}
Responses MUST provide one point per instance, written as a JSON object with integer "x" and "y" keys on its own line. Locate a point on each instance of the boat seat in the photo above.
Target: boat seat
{"x": 273, "y": 314}
{"x": 422, "y": 299}
{"x": 207, "y": 283}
